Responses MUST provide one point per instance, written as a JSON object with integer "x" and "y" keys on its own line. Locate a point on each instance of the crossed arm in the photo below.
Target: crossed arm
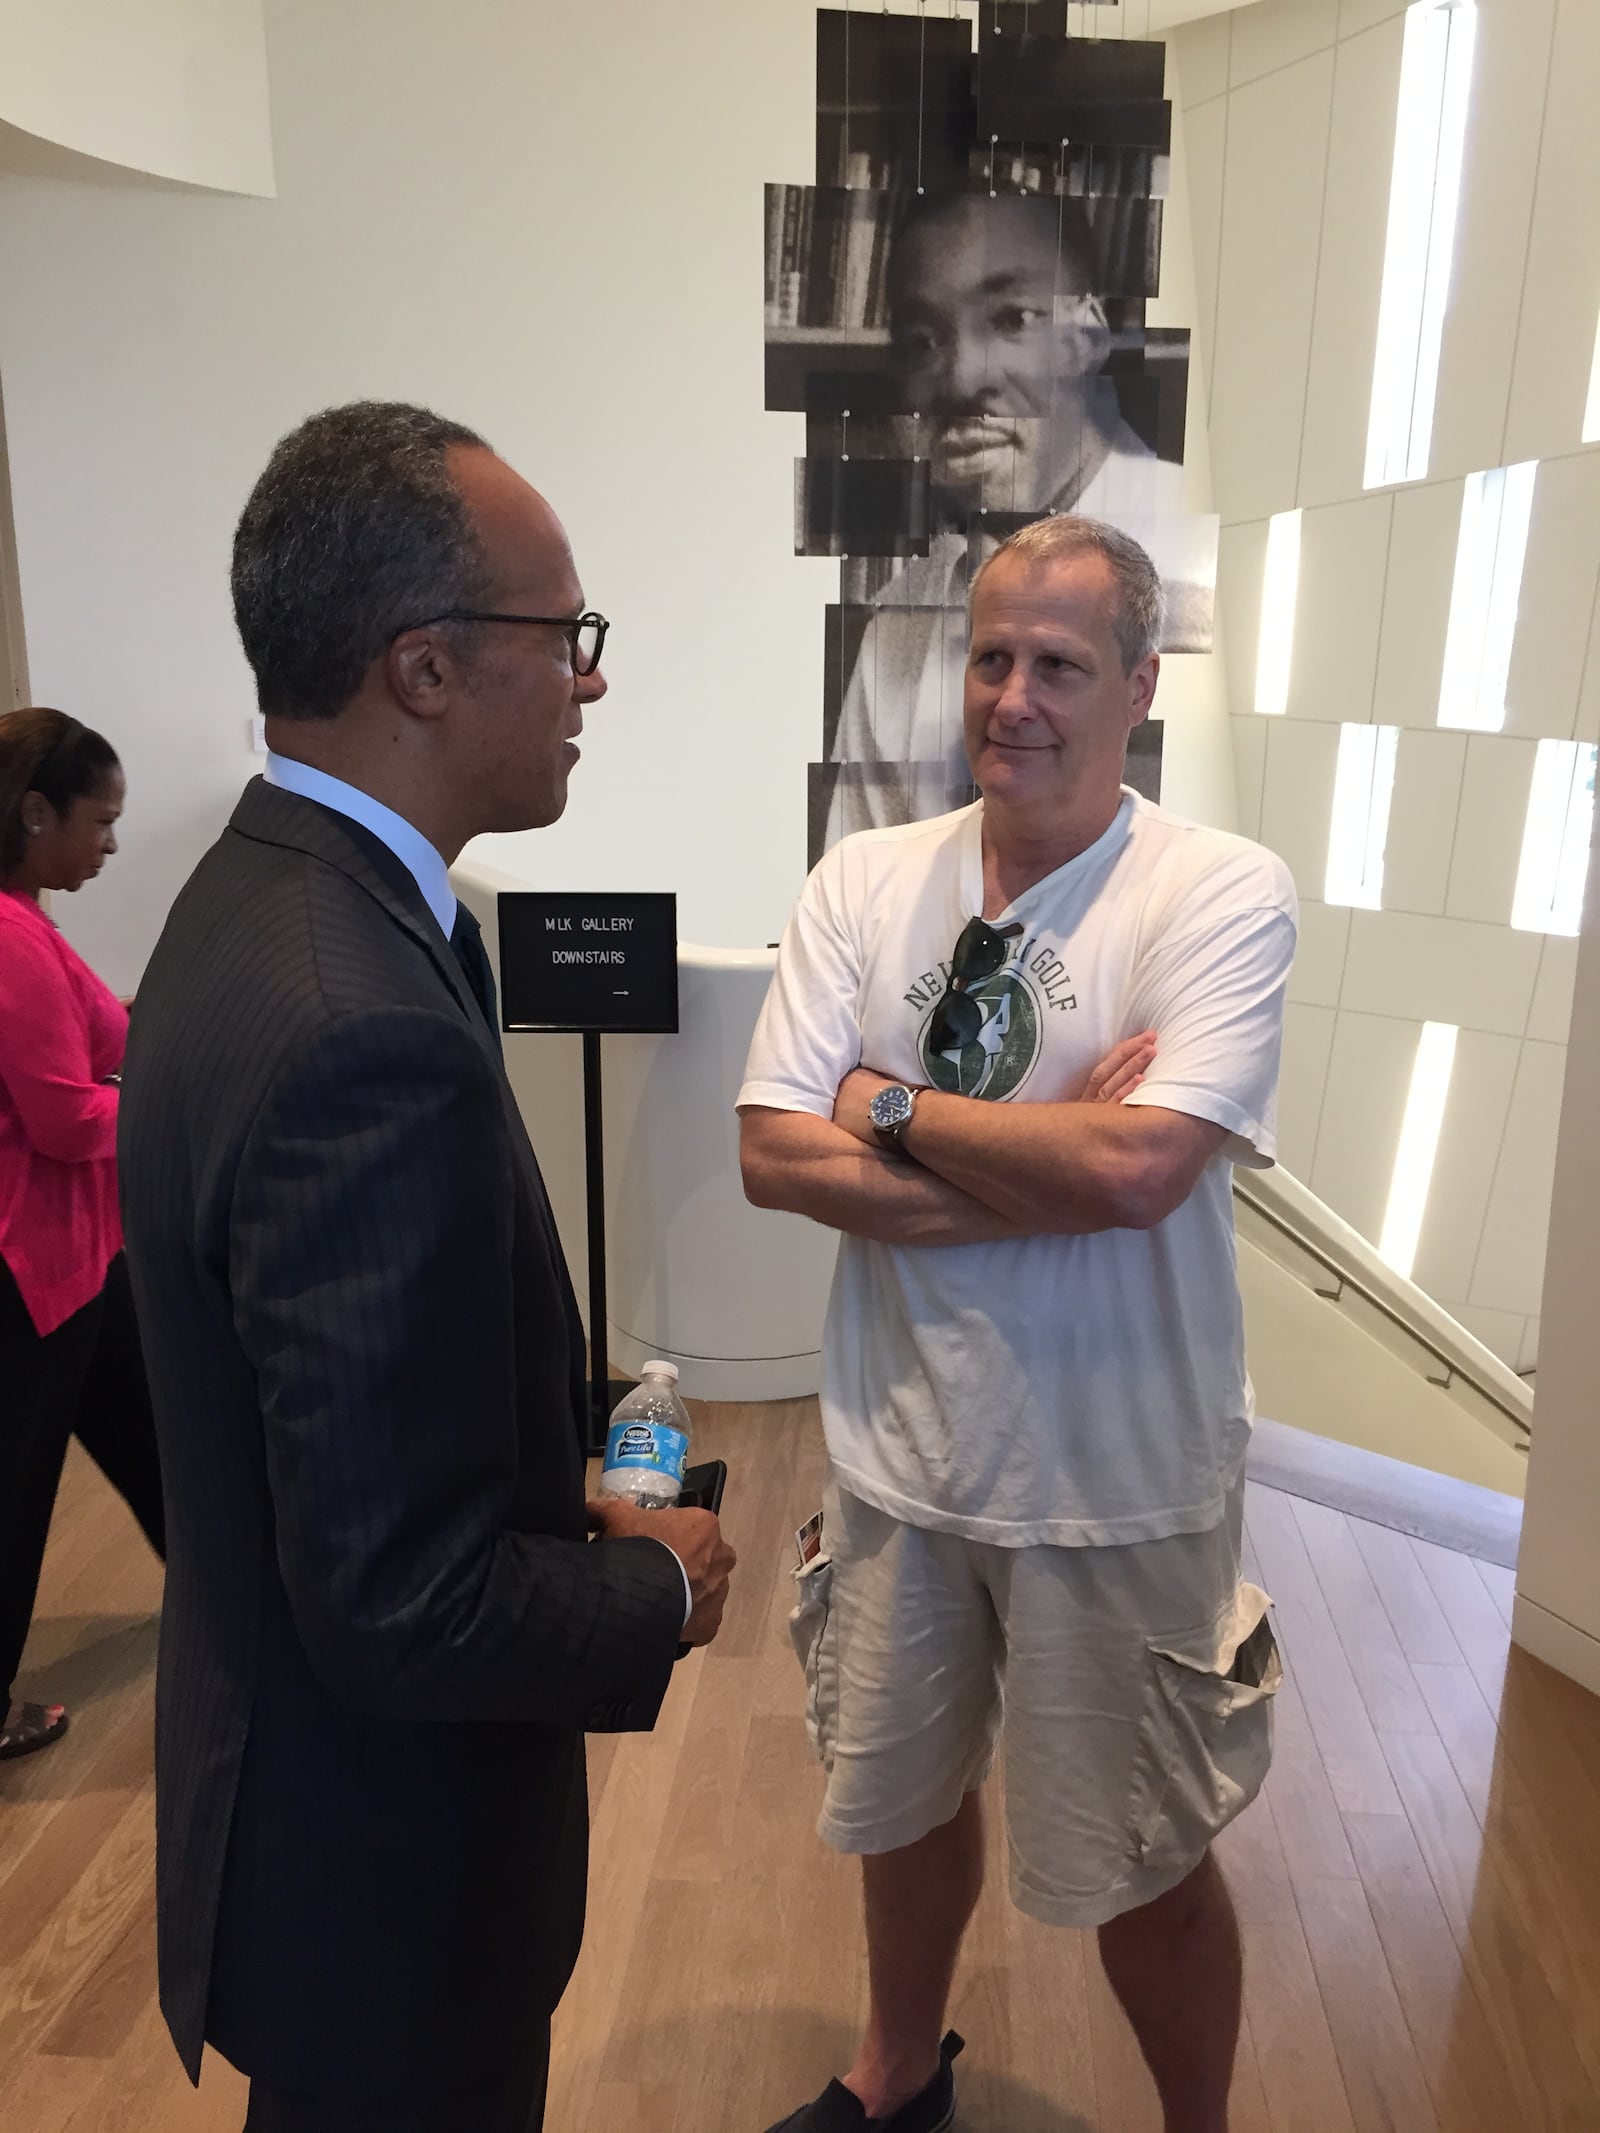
{"x": 983, "y": 1171}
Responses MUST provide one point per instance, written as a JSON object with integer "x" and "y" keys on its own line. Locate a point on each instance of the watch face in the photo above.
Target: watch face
{"x": 891, "y": 1107}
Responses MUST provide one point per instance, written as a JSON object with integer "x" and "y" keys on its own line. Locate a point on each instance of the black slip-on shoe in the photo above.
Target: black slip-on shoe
{"x": 840, "y": 2110}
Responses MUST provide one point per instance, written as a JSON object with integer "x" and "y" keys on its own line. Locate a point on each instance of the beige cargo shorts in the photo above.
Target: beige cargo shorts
{"x": 1132, "y": 1686}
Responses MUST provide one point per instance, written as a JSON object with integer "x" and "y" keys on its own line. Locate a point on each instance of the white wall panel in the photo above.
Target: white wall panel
{"x": 1197, "y": 777}
{"x": 1556, "y": 1575}
{"x": 1241, "y": 560}
{"x": 1510, "y": 65}
{"x": 1550, "y": 1016}
{"x": 1303, "y": 190}
{"x": 1358, "y": 15}
{"x": 1416, "y": 604}
{"x": 1343, "y": 559}
{"x": 1559, "y": 577}
{"x": 1510, "y": 1269}
{"x": 1440, "y": 970}
{"x": 1463, "y": 1171}
{"x": 1205, "y": 146}
{"x": 1369, "y": 1079}
{"x": 1272, "y": 198}
{"x": 1197, "y": 63}
{"x": 1586, "y": 722}
{"x": 1488, "y": 845}
{"x": 1268, "y": 38}
{"x": 1501, "y": 1332}
{"x": 1422, "y": 819}
{"x": 1350, "y": 242}
{"x": 1561, "y": 289}
{"x": 1317, "y": 975}
{"x": 1249, "y": 770}
{"x": 1307, "y": 1048}
{"x": 1156, "y": 18}
{"x": 1528, "y": 1352}
{"x": 1297, "y": 798}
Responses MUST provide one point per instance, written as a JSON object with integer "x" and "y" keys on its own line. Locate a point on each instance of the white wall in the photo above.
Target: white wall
{"x": 545, "y": 220}
{"x": 173, "y": 88}
{"x": 1558, "y": 1580}
{"x": 540, "y": 219}
{"x": 1288, "y": 112}
{"x": 14, "y": 689}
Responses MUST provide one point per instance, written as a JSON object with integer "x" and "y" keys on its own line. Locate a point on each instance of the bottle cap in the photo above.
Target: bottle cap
{"x": 660, "y": 1370}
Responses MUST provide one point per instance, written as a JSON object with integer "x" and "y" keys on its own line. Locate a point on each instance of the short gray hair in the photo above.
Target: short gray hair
{"x": 1141, "y": 607}
{"x": 355, "y": 529}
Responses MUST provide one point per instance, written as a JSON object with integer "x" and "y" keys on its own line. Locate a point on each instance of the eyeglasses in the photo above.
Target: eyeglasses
{"x": 979, "y": 953}
{"x": 586, "y": 634}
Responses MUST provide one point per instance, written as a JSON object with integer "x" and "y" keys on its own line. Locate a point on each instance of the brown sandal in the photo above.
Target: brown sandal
{"x": 35, "y": 1726}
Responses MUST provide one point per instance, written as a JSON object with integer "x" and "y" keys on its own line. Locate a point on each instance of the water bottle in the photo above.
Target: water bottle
{"x": 647, "y": 1445}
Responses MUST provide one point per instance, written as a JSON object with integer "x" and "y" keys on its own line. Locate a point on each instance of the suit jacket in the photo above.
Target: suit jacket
{"x": 384, "y": 1632}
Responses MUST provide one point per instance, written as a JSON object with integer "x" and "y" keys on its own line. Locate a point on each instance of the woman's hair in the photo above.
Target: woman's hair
{"x": 48, "y": 753}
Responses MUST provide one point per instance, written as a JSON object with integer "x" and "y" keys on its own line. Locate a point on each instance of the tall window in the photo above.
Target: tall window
{"x": 1430, "y": 131}
{"x": 1280, "y": 587}
{"x": 1591, "y": 410}
{"x": 1555, "y": 839}
{"x": 1490, "y": 547}
{"x": 1363, "y": 785}
{"x": 1419, "y": 1145}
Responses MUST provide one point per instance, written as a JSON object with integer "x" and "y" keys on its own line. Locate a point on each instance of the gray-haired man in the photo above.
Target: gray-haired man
{"x": 1012, "y": 1053}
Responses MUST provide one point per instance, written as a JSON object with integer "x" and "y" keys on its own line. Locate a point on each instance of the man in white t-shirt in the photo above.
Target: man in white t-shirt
{"x": 1012, "y": 1054}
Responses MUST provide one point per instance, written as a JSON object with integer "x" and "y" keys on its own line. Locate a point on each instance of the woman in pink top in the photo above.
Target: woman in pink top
{"x": 69, "y": 1347}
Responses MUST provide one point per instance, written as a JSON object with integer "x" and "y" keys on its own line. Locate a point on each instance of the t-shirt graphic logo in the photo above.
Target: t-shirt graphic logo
{"x": 1002, "y": 1054}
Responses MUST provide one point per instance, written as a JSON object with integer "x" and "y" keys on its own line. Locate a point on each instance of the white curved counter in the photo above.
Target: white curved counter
{"x": 733, "y": 1294}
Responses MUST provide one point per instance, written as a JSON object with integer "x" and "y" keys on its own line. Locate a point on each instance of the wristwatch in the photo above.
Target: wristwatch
{"x": 891, "y": 1112}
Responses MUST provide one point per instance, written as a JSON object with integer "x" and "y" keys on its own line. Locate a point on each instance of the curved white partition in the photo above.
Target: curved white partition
{"x": 173, "y": 88}
{"x": 733, "y": 1294}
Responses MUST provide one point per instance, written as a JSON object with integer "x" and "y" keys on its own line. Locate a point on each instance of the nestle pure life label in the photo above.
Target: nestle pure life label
{"x": 649, "y": 1447}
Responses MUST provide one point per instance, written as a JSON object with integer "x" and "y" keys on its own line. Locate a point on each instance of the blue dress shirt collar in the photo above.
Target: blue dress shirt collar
{"x": 421, "y": 860}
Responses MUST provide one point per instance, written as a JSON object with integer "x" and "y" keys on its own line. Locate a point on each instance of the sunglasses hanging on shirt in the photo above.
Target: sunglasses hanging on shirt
{"x": 978, "y": 954}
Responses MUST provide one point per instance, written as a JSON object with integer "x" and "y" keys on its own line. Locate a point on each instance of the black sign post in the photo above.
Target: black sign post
{"x": 590, "y": 965}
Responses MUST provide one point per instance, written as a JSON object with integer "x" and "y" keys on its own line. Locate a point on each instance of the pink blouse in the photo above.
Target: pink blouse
{"x": 61, "y": 1033}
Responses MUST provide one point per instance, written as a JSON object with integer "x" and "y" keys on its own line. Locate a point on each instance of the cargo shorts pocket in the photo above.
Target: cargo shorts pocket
{"x": 813, "y": 1633}
{"x": 1207, "y": 1734}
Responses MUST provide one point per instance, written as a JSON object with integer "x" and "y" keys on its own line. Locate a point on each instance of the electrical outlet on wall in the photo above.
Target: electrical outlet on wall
{"x": 258, "y": 733}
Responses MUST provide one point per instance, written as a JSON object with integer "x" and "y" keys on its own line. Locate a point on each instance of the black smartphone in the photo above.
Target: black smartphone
{"x": 702, "y": 1491}
{"x": 703, "y": 1486}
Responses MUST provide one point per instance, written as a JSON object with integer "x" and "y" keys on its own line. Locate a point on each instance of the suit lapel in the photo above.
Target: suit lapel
{"x": 272, "y": 816}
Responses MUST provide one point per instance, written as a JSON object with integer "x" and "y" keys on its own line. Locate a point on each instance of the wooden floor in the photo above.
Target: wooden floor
{"x": 1419, "y": 1888}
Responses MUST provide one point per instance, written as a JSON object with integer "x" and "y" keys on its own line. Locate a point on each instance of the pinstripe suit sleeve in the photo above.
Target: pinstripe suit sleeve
{"x": 371, "y": 1276}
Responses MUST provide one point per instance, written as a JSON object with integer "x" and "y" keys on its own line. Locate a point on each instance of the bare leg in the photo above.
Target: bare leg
{"x": 918, "y": 1901}
{"x": 1176, "y": 1968}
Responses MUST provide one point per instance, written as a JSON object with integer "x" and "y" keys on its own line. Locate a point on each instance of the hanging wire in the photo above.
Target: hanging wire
{"x": 845, "y": 172}
{"x": 922, "y": 80}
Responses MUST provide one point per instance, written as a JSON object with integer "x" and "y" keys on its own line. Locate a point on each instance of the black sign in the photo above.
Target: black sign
{"x": 607, "y": 963}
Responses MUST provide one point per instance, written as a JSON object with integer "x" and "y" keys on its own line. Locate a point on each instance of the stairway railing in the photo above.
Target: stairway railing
{"x": 1351, "y": 1266}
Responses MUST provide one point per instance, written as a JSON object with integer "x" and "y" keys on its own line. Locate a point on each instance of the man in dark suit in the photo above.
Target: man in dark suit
{"x": 386, "y": 1631}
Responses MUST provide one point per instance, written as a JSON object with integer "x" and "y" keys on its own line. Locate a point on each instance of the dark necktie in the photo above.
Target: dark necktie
{"x": 466, "y": 945}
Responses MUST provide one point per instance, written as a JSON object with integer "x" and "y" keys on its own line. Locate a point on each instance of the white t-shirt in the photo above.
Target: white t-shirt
{"x": 1072, "y": 1390}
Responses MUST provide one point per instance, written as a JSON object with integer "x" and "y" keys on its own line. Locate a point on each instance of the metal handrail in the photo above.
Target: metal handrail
{"x": 1347, "y": 1280}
